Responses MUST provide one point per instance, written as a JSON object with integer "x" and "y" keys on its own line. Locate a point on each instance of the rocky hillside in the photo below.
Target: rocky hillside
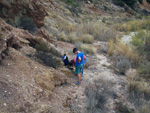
{"x": 33, "y": 36}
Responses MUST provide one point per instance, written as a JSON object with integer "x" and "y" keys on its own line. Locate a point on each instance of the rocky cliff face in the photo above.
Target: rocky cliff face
{"x": 12, "y": 37}
{"x": 16, "y": 12}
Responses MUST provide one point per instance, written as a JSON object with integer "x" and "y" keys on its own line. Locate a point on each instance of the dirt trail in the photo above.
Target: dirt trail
{"x": 74, "y": 97}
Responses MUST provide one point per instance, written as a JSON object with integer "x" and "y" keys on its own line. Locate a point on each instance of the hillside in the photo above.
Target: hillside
{"x": 34, "y": 34}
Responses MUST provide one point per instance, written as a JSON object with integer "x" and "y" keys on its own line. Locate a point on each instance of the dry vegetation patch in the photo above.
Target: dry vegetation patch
{"x": 46, "y": 81}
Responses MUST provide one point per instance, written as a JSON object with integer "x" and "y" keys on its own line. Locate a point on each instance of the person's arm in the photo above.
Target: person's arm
{"x": 83, "y": 61}
{"x": 79, "y": 60}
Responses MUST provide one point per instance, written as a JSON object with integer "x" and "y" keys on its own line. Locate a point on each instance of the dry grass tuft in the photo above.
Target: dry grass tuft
{"x": 87, "y": 38}
{"x": 123, "y": 49}
{"x": 111, "y": 47}
{"x": 88, "y": 49}
{"x": 133, "y": 25}
{"x": 73, "y": 37}
{"x": 138, "y": 85}
{"x": 98, "y": 31}
{"x": 62, "y": 37}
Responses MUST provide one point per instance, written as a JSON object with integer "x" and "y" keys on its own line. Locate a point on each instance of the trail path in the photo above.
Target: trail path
{"x": 74, "y": 97}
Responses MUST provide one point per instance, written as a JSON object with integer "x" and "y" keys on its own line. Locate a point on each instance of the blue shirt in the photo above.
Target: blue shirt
{"x": 79, "y": 55}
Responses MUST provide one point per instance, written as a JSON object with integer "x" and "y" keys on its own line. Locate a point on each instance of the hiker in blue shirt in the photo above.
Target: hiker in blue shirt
{"x": 78, "y": 65}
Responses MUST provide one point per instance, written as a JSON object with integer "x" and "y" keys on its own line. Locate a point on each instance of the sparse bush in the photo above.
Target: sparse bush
{"x": 144, "y": 69}
{"x": 123, "y": 65}
{"x": 98, "y": 31}
{"x": 144, "y": 109}
{"x": 70, "y": 2}
{"x": 88, "y": 49}
{"x": 28, "y": 24}
{"x": 49, "y": 60}
{"x": 133, "y": 25}
{"x": 73, "y": 37}
{"x": 122, "y": 108}
{"x": 97, "y": 94}
{"x": 46, "y": 48}
{"x": 138, "y": 86}
{"x": 62, "y": 37}
{"x": 127, "y": 51}
{"x": 119, "y": 3}
{"x": 42, "y": 46}
{"x": 104, "y": 20}
{"x": 141, "y": 41}
{"x": 86, "y": 38}
{"x": 130, "y": 2}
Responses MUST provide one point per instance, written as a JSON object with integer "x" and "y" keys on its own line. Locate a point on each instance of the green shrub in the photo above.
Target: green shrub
{"x": 49, "y": 60}
{"x": 130, "y": 2}
{"x": 123, "y": 65}
{"x": 28, "y": 24}
{"x": 46, "y": 48}
{"x": 119, "y": 2}
{"x": 47, "y": 54}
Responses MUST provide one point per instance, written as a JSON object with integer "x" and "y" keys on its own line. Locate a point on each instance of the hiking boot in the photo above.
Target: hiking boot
{"x": 77, "y": 83}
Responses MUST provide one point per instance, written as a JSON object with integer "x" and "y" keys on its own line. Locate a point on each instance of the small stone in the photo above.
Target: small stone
{"x": 8, "y": 75}
{"x": 73, "y": 91}
{"x": 5, "y": 104}
{"x": 5, "y": 91}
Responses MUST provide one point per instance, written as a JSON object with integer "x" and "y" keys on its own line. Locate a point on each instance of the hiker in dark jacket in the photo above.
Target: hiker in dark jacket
{"x": 65, "y": 59}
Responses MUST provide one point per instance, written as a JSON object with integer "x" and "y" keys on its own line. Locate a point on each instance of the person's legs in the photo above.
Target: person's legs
{"x": 78, "y": 72}
{"x": 79, "y": 77}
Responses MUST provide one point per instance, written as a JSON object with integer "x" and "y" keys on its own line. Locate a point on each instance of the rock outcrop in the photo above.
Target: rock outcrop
{"x": 12, "y": 37}
{"x": 15, "y": 12}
